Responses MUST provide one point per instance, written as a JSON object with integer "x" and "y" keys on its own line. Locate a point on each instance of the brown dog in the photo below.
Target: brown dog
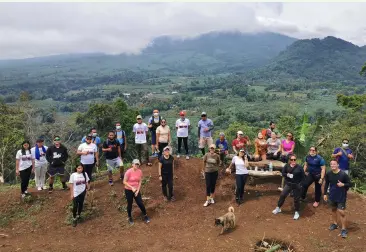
{"x": 227, "y": 220}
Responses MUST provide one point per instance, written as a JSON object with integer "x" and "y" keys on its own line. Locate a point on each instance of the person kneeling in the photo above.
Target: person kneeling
{"x": 294, "y": 174}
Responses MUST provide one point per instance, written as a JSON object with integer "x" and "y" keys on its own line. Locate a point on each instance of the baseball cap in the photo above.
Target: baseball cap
{"x": 203, "y": 114}
{"x": 89, "y": 136}
{"x": 56, "y": 138}
{"x": 213, "y": 146}
{"x": 240, "y": 132}
{"x": 136, "y": 161}
{"x": 139, "y": 117}
{"x": 40, "y": 140}
{"x": 182, "y": 113}
{"x": 242, "y": 150}
{"x": 166, "y": 148}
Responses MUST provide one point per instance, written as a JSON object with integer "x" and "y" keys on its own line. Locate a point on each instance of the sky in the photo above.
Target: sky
{"x": 41, "y": 29}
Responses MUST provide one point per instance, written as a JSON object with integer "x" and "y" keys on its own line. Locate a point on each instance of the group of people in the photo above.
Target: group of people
{"x": 41, "y": 159}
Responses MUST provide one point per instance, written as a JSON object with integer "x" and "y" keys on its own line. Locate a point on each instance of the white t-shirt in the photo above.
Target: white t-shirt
{"x": 25, "y": 161}
{"x": 140, "y": 131}
{"x": 42, "y": 159}
{"x": 239, "y": 165}
{"x": 92, "y": 149}
{"x": 79, "y": 183}
{"x": 182, "y": 126}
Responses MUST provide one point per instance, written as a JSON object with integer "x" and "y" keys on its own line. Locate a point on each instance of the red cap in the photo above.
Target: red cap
{"x": 182, "y": 113}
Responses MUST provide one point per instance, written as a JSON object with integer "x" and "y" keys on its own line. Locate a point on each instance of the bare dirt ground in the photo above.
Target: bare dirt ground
{"x": 184, "y": 225}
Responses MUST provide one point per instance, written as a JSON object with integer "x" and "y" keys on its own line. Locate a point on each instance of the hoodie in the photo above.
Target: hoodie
{"x": 57, "y": 157}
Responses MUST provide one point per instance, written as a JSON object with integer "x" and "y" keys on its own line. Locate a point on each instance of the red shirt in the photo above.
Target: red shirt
{"x": 240, "y": 144}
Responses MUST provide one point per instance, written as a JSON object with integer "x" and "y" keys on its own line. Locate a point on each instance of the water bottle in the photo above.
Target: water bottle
{"x": 270, "y": 166}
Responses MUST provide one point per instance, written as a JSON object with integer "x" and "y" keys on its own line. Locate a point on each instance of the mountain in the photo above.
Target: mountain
{"x": 328, "y": 59}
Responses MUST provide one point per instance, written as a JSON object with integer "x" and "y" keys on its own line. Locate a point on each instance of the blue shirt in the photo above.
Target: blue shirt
{"x": 120, "y": 135}
{"x": 314, "y": 164}
{"x": 343, "y": 160}
{"x": 223, "y": 146}
{"x": 95, "y": 140}
{"x": 205, "y": 124}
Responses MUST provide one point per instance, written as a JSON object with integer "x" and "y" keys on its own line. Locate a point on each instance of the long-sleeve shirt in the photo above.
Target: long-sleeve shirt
{"x": 297, "y": 174}
{"x": 57, "y": 156}
{"x": 336, "y": 193}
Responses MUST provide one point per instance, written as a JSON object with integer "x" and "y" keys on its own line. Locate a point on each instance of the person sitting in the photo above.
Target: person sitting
{"x": 223, "y": 147}
{"x": 273, "y": 147}
{"x": 287, "y": 147}
{"x": 240, "y": 142}
{"x": 260, "y": 148}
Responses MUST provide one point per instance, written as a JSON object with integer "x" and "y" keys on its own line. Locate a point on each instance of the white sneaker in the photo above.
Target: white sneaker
{"x": 207, "y": 203}
{"x": 187, "y": 157}
{"x": 277, "y": 210}
{"x": 23, "y": 196}
{"x": 39, "y": 188}
{"x": 212, "y": 201}
{"x": 178, "y": 156}
{"x": 296, "y": 216}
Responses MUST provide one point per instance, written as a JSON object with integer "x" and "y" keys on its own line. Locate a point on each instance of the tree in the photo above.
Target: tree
{"x": 363, "y": 70}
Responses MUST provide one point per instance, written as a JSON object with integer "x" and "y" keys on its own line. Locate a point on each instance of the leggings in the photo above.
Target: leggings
{"x": 130, "y": 196}
{"x": 272, "y": 156}
{"x": 24, "y": 177}
{"x": 89, "y": 170}
{"x": 240, "y": 183}
{"x": 78, "y": 203}
{"x": 185, "y": 142}
{"x": 161, "y": 147}
{"x": 312, "y": 178}
{"x": 296, "y": 188}
{"x": 167, "y": 180}
{"x": 211, "y": 178}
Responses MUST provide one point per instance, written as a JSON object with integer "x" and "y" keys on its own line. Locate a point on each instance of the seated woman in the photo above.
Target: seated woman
{"x": 260, "y": 148}
{"x": 223, "y": 147}
{"x": 287, "y": 147}
{"x": 273, "y": 147}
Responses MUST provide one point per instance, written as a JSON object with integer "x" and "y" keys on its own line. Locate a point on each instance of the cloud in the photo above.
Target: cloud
{"x": 39, "y": 29}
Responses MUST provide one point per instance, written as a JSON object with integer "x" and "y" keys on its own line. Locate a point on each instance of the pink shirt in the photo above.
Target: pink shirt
{"x": 288, "y": 146}
{"x": 133, "y": 178}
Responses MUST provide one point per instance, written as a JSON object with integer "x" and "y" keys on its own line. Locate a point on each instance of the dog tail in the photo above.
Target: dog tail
{"x": 231, "y": 209}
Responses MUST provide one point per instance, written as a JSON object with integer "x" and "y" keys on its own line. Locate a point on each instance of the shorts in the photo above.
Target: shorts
{"x": 114, "y": 163}
{"x": 53, "y": 171}
{"x": 205, "y": 141}
{"x": 338, "y": 205}
{"x": 153, "y": 137}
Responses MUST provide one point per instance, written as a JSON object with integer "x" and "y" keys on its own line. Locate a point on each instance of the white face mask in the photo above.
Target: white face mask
{"x": 118, "y": 127}
{"x": 344, "y": 145}
{"x": 95, "y": 134}
{"x": 156, "y": 114}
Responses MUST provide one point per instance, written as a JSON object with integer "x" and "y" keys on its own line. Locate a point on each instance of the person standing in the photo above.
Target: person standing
{"x": 132, "y": 182}
{"x": 95, "y": 139}
{"x": 154, "y": 123}
{"x": 122, "y": 139}
{"x": 89, "y": 156}
{"x": 240, "y": 142}
{"x": 163, "y": 136}
{"x": 166, "y": 173}
{"x": 211, "y": 163}
{"x": 343, "y": 155}
{"x": 315, "y": 166}
{"x": 79, "y": 184}
{"x": 338, "y": 183}
{"x": 40, "y": 164}
{"x": 112, "y": 150}
{"x": 241, "y": 174}
{"x": 205, "y": 127}
{"x": 140, "y": 129}
{"x": 294, "y": 175}
{"x": 223, "y": 147}
{"x": 269, "y": 131}
{"x": 24, "y": 166}
{"x": 57, "y": 156}
{"x": 182, "y": 125}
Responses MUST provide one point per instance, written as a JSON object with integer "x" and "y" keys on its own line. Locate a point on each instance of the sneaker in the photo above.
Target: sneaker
{"x": 333, "y": 227}
{"x": 212, "y": 201}
{"x": 344, "y": 233}
{"x": 23, "y": 195}
{"x": 146, "y": 219}
{"x": 173, "y": 199}
{"x": 178, "y": 156}
{"x": 316, "y": 204}
{"x": 130, "y": 221}
{"x": 122, "y": 177}
{"x": 277, "y": 210}
{"x": 166, "y": 199}
{"x": 74, "y": 222}
{"x": 187, "y": 157}
{"x": 27, "y": 193}
{"x": 296, "y": 216}
{"x": 44, "y": 187}
{"x": 39, "y": 188}
{"x": 65, "y": 188}
{"x": 110, "y": 182}
{"x": 78, "y": 217}
{"x": 50, "y": 190}
{"x": 207, "y": 203}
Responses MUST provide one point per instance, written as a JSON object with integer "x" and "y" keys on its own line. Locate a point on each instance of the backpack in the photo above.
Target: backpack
{"x": 154, "y": 124}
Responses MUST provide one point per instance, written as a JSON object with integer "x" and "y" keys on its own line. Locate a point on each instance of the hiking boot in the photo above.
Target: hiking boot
{"x": 296, "y": 216}
{"x": 316, "y": 204}
{"x": 130, "y": 221}
{"x": 277, "y": 210}
{"x": 187, "y": 157}
{"x": 344, "y": 233}
{"x": 74, "y": 222}
{"x": 146, "y": 219}
{"x": 207, "y": 203}
{"x": 333, "y": 227}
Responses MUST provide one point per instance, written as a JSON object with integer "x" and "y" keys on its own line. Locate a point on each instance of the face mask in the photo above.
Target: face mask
{"x": 95, "y": 134}
{"x": 118, "y": 127}
{"x": 345, "y": 145}
{"x": 156, "y": 114}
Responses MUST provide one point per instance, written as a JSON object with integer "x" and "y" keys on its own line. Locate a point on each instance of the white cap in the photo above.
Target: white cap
{"x": 240, "y": 132}
{"x": 136, "y": 161}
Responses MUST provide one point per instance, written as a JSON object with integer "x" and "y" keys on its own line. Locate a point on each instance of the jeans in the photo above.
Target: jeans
{"x": 240, "y": 183}
{"x": 185, "y": 142}
{"x": 311, "y": 178}
{"x": 24, "y": 177}
{"x": 142, "y": 152}
{"x": 78, "y": 204}
{"x": 167, "y": 180}
{"x": 296, "y": 188}
{"x": 129, "y": 197}
{"x": 211, "y": 178}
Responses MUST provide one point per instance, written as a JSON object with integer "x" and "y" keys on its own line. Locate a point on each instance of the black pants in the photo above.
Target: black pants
{"x": 167, "y": 180}
{"x": 142, "y": 152}
{"x": 284, "y": 158}
{"x": 296, "y": 188}
{"x": 78, "y": 204}
{"x": 222, "y": 157}
{"x": 161, "y": 147}
{"x": 311, "y": 178}
{"x": 24, "y": 177}
{"x": 89, "y": 170}
{"x": 240, "y": 183}
{"x": 272, "y": 156}
{"x": 211, "y": 178}
{"x": 185, "y": 142}
{"x": 130, "y": 196}
{"x": 122, "y": 147}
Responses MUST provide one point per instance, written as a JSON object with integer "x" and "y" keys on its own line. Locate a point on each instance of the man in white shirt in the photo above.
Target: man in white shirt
{"x": 89, "y": 155}
{"x": 182, "y": 125}
{"x": 141, "y": 130}
{"x": 39, "y": 157}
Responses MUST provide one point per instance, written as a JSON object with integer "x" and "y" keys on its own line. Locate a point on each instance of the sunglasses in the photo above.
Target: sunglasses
{"x": 345, "y": 142}
{"x": 312, "y": 149}
{"x": 293, "y": 159}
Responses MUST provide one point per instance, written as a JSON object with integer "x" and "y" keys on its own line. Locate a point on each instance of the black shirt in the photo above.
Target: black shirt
{"x": 297, "y": 171}
{"x": 167, "y": 164}
{"x": 111, "y": 144}
{"x": 337, "y": 194}
{"x": 57, "y": 157}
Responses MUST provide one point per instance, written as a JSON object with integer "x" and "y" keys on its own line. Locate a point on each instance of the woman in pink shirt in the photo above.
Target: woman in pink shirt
{"x": 132, "y": 182}
{"x": 287, "y": 147}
